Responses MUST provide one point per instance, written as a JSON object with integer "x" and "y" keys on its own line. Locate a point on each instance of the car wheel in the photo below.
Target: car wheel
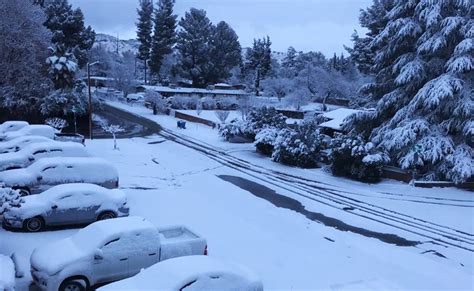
{"x": 34, "y": 224}
{"x": 23, "y": 192}
{"x": 106, "y": 215}
{"x": 71, "y": 285}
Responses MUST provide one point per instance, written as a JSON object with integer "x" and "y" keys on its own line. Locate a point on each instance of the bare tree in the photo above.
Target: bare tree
{"x": 57, "y": 123}
{"x": 245, "y": 105}
{"x": 222, "y": 115}
{"x": 113, "y": 129}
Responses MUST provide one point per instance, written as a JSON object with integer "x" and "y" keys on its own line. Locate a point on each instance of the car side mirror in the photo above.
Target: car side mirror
{"x": 31, "y": 158}
{"x": 39, "y": 178}
{"x": 54, "y": 206}
{"x": 98, "y": 255}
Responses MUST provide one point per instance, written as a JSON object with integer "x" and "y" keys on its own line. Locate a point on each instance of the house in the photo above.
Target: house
{"x": 192, "y": 92}
{"x": 336, "y": 120}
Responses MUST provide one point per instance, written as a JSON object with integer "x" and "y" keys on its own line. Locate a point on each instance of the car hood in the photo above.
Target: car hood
{"x": 54, "y": 257}
{"x": 12, "y": 159}
{"x": 18, "y": 177}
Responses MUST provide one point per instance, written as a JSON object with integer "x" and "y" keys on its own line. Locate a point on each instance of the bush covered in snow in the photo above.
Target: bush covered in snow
{"x": 156, "y": 101}
{"x": 9, "y": 198}
{"x": 265, "y": 139}
{"x": 300, "y": 147}
{"x": 233, "y": 129}
{"x": 354, "y": 158}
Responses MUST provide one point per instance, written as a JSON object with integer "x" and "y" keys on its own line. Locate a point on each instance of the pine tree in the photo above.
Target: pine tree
{"x": 194, "y": 46}
{"x": 259, "y": 60}
{"x": 290, "y": 59}
{"x": 144, "y": 29}
{"x": 69, "y": 31}
{"x": 423, "y": 88}
{"x": 225, "y": 51}
{"x": 164, "y": 36}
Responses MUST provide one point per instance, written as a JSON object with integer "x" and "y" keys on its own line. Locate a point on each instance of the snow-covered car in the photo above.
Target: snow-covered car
{"x": 67, "y": 204}
{"x": 33, "y": 152}
{"x": 18, "y": 143}
{"x": 7, "y": 274}
{"x": 109, "y": 250}
{"x": 34, "y": 129}
{"x": 135, "y": 97}
{"x": 192, "y": 273}
{"x": 49, "y": 172}
{"x": 12, "y": 125}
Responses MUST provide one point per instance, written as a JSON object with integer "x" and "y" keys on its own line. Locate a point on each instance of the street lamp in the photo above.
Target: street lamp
{"x": 90, "y": 95}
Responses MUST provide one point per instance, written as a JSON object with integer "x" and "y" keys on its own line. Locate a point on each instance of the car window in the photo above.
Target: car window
{"x": 65, "y": 197}
{"x": 48, "y": 168}
{"x": 39, "y": 152}
{"x": 111, "y": 244}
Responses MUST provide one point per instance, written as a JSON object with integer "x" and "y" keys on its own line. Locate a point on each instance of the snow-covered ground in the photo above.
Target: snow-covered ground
{"x": 171, "y": 184}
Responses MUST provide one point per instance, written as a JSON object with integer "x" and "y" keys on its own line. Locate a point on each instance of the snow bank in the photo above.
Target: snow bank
{"x": 7, "y": 274}
{"x": 208, "y": 272}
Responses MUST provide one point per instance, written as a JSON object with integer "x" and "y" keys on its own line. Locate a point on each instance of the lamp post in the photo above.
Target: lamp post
{"x": 90, "y": 95}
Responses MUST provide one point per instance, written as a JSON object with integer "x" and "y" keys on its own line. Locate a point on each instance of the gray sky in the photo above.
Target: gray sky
{"x": 318, "y": 25}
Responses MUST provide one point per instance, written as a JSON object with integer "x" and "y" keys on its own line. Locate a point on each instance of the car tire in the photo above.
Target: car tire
{"x": 34, "y": 224}
{"x": 71, "y": 285}
{"x": 106, "y": 215}
{"x": 23, "y": 191}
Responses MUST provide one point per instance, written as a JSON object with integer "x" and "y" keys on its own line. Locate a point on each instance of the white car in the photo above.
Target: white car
{"x": 68, "y": 204}
{"x": 107, "y": 251}
{"x": 12, "y": 126}
{"x": 34, "y": 129}
{"x": 7, "y": 274}
{"x": 192, "y": 273}
{"x": 18, "y": 143}
{"x": 33, "y": 152}
{"x": 49, "y": 172}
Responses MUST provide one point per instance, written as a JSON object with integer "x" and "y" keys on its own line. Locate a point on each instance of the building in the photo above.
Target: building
{"x": 215, "y": 92}
{"x": 336, "y": 120}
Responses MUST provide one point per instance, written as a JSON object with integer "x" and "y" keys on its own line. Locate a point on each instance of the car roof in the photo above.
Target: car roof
{"x": 173, "y": 274}
{"x": 72, "y": 189}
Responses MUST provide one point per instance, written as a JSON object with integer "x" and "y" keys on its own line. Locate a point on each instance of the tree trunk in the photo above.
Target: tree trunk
{"x": 145, "y": 70}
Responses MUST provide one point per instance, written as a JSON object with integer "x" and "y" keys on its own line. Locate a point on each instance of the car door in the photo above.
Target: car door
{"x": 89, "y": 204}
{"x": 146, "y": 251}
{"x": 63, "y": 210}
{"x": 112, "y": 262}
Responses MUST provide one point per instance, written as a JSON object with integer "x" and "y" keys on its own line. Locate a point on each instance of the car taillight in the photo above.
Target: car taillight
{"x": 205, "y": 251}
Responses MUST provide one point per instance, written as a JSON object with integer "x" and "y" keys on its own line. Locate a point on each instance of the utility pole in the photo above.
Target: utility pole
{"x": 90, "y": 96}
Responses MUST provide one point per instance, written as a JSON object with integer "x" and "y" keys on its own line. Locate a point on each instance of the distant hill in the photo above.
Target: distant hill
{"x": 109, "y": 43}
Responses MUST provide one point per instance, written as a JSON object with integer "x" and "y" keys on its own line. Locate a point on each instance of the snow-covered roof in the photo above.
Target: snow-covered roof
{"x": 173, "y": 274}
{"x": 165, "y": 89}
{"x": 337, "y": 117}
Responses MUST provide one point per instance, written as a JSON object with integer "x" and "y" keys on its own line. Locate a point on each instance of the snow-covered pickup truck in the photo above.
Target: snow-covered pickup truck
{"x": 109, "y": 250}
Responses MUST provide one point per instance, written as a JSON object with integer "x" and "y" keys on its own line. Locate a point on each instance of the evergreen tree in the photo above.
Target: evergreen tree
{"x": 290, "y": 59}
{"x": 423, "y": 89}
{"x": 226, "y": 52}
{"x": 144, "y": 29}
{"x": 259, "y": 60}
{"x": 69, "y": 32}
{"x": 164, "y": 36}
{"x": 361, "y": 54}
{"x": 194, "y": 46}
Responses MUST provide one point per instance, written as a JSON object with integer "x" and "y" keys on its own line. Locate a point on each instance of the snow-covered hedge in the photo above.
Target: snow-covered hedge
{"x": 9, "y": 198}
{"x": 300, "y": 147}
{"x": 265, "y": 139}
{"x": 354, "y": 158}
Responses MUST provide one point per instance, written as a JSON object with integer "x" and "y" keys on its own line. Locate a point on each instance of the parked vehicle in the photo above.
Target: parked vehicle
{"x": 67, "y": 204}
{"x": 19, "y": 143}
{"x": 74, "y": 137}
{"x": 49, "y": 172}
{"x": 135, "y": 97}
{"x": 13, "y": 125}
{"x": 35, "y": 129}
{"x": 33, "y": 152}
{"x": 109, "y": 250}
{"x": 7, "y": 274}
{"x": 191, "y": 273}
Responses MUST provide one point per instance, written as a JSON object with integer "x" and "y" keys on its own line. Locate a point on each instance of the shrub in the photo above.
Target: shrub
{"x": 9, "y": 198}
{"x": 354, "y": 158}
{"x": 233, "y": 129}
{"x": 300, "y": 147}
{"x": 265, "y": 139}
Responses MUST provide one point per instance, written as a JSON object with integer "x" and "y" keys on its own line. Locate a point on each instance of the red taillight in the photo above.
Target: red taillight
{"x": 205, "y": 251}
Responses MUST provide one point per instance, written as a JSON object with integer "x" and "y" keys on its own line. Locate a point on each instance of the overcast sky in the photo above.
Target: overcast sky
{"x": 318, "y": 25}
